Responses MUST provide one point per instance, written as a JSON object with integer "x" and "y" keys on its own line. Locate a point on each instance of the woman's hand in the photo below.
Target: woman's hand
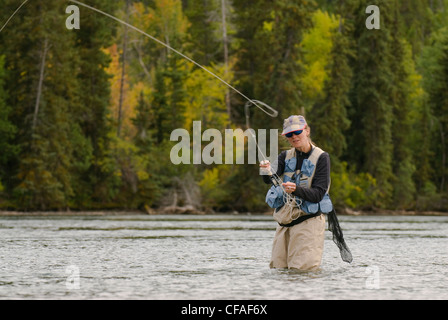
{"x": 290, "y": 187}
{"x": 266, "y": 166}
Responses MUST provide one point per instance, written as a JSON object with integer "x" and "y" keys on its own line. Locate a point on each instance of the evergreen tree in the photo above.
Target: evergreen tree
{"x": 371, "y": 111}
{"x": 423, "y": 118}
{"x": 151, "y": 175}
{"x": 7, "y": 129}
{"x": 329, "y": 114}
{"x": 269, "y": 63}
{"x": 142, "y": 121}
{"x": 165, "y": 20}
{"x": 159, "y": 108}
{"x": 95, "y": 171}
{"x": 41, "y": 87}
{"x": 435, "y": 82}
{"x": 401, "y": 66}
{"x": 416, "y": 17}
{"x": 204, "y": 45}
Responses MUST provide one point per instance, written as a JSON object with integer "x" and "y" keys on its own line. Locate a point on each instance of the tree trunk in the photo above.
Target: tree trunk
{"x": 123, "y": 72}
{"x": 226, "y": 57}
{"x": 40, "y": 84}
{"x": 138, "y": 49}
{"x": 442, "y": 138}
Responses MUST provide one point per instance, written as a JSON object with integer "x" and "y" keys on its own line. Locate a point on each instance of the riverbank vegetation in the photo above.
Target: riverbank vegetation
{"x": 86, "y": 115}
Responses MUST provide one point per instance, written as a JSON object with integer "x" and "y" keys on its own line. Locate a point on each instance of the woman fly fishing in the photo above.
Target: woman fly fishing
{"x": 300, "y": 196}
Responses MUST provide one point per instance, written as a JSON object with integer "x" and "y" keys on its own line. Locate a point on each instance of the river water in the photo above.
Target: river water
{"x": 215, "y": 257}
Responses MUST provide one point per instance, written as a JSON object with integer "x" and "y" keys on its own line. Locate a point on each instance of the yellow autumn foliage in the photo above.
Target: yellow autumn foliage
{"x": 317, "y": 45}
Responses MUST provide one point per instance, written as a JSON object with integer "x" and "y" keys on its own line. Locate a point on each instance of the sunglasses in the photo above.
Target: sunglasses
{"x": 289, "y": 135}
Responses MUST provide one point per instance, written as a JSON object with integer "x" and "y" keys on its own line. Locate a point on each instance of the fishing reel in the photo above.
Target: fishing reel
{"x": 275, "y": 180}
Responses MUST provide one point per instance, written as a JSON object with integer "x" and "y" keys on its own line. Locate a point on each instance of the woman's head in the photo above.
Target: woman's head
{"x": 297, "y": 131}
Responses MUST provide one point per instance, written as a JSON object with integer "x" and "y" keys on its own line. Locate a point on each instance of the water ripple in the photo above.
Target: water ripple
{"x": 217, "y": 257}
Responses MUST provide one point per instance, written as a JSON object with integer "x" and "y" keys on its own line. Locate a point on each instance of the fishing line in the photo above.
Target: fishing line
{"x": 259, "y": 104}
{"x": 13, "y": 14}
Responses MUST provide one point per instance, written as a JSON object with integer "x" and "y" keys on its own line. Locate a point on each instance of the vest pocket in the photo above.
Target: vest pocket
{"x": 274, "y": 197}
{"x": 290, "y": 165}
{"x": 307, "y": 168}
{"x": 310, "y": 207}
{"x": 326, "y": 206}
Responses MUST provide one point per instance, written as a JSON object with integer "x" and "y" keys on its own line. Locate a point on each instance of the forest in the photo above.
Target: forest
{"x": 86, "y": 113}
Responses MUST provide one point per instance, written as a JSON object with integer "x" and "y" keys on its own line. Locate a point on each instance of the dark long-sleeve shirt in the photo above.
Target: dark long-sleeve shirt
{"x": 321, "y": 178}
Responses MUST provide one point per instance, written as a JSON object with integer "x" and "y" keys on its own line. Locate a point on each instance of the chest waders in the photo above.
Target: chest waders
{"x": 298, "y": 244}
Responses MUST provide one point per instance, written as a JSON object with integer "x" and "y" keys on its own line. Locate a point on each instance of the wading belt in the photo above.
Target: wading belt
{"x": 300, "y": 219}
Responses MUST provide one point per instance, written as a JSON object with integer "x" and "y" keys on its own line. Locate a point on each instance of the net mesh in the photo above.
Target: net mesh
{"x": 338, "y": 237}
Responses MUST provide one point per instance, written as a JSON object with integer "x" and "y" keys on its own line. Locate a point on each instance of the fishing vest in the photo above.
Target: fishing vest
{"x": 304, "y": 178}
